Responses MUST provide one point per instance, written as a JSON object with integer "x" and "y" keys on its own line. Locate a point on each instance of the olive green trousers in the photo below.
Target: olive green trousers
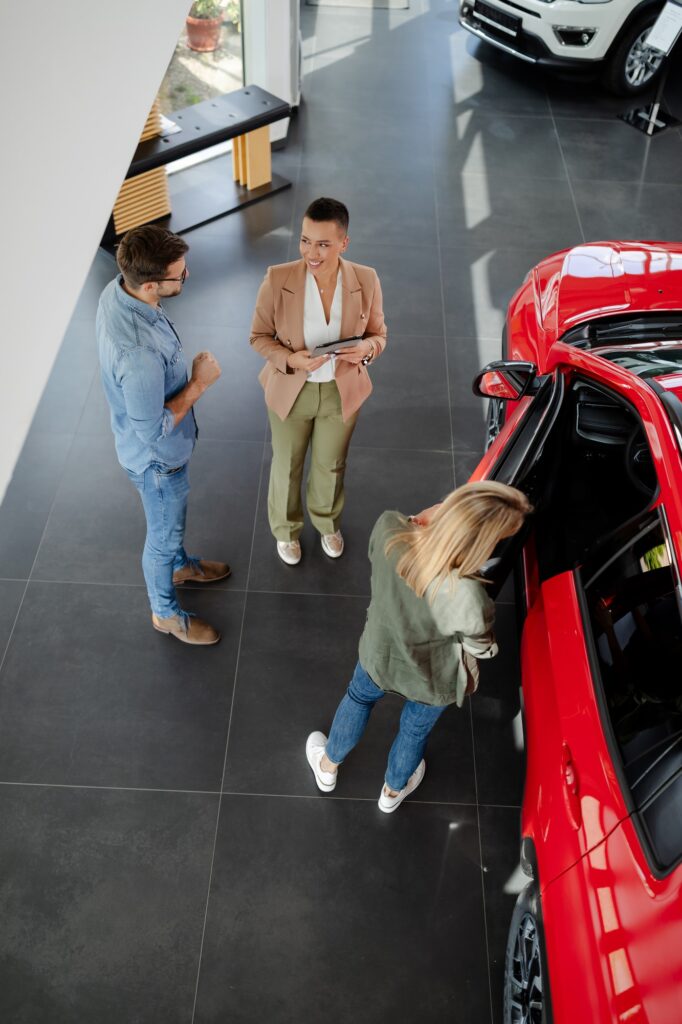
{"x": 314, "y": 421}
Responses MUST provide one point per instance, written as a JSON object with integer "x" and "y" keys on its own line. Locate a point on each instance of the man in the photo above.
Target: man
{"x": 152, "y": 416}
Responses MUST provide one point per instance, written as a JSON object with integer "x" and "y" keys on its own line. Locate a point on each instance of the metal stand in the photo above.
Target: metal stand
{"x": 655, "y": 118}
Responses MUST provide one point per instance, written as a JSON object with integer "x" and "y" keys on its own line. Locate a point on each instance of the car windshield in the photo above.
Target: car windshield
{"x": 650, "y": 361}
{"x": 629, "y": 330}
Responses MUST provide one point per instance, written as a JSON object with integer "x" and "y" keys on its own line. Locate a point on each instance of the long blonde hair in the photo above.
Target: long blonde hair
{"x": 461, "y": 535}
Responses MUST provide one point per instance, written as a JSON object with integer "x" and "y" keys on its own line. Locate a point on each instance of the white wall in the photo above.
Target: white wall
{"x": 271, "y": 52}
{"x": 78, "y": 79}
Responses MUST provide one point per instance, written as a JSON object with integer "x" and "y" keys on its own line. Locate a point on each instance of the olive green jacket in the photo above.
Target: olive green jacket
{"x": 426, "y": 652}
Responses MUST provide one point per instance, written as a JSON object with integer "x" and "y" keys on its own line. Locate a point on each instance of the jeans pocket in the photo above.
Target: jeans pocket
{"x": 165, "y": 470}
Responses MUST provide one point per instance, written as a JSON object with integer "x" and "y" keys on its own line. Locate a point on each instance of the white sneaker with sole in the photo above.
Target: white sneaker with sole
{"x": 289, "y": 551}
{"x": 391, "y": 803}
{"x": 315, "y": 746}
{"x": 332, "y": 544}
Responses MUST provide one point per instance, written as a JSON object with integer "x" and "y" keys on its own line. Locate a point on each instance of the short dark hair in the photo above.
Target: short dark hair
{"x": 145, "y": 253}
{"x": 329, "y": 209}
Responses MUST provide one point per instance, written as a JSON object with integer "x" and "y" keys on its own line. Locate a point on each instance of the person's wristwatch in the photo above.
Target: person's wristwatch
{"x": 370, "y": 357}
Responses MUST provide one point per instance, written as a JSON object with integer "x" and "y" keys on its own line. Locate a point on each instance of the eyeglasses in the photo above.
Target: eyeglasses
{"x": 181, "y": 279}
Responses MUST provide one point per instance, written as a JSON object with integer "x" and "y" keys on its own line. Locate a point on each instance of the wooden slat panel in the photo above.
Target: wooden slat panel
{"x": 152, "y": 126}
{"x": 142, "y": 199}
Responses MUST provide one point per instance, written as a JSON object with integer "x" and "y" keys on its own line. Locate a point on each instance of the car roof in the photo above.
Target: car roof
{"x": 606, "y": 279}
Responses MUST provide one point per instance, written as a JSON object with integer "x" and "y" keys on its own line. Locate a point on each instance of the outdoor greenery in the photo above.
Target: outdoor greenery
{"x": 206, "y": 9}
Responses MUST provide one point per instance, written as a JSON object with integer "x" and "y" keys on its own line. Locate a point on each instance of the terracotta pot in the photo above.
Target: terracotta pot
{"x": 203, "y": 34}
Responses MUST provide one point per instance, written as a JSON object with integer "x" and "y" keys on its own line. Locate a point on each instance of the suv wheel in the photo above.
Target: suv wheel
{"x": 634, "y": 65}
{"x": 525, "y": 994}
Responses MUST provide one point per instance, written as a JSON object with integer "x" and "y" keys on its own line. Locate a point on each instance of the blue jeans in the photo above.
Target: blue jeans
{"x": 164, "y": 496}
{"x": 350, "y": 721}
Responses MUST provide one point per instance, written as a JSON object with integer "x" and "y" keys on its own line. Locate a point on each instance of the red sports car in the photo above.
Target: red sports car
{"x": 586, "y": 417}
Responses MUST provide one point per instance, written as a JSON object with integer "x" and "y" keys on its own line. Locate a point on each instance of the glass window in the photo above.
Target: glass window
{"x": 208, "y": 57}
{"x": 632, "y": 589}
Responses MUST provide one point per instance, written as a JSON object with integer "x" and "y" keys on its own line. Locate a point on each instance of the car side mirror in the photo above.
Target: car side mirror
{"x": 505, "y": 379}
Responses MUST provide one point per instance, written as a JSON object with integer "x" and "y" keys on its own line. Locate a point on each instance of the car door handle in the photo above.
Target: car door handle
{"x": 571, "y": 787}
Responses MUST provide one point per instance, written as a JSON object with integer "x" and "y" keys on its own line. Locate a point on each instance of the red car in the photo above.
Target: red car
{"x": 586, "y": 417}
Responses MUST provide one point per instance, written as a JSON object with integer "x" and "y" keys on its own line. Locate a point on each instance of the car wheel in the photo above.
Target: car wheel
{"x": 634, "y": 65}
{"x": 525, "y": 997}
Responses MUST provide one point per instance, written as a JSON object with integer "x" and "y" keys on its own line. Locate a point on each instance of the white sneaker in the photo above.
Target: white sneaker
{"x": 315, "y": 746}
{"x": 332, "y": 544}
{"x": 391, "y": 803}
{"x": 289, "y": 551}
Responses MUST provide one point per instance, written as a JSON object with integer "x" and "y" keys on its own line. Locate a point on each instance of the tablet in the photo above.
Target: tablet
{"x": 330, "y": 347}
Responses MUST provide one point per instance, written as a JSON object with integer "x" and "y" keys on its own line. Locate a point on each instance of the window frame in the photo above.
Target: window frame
{"x": 656, "y": 515}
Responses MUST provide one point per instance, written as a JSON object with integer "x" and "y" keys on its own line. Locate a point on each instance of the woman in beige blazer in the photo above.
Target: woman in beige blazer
{"x": 313, "y": 401}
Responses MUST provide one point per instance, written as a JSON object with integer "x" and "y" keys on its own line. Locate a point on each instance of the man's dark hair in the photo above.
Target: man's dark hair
{"x": 145, "y": 253}
{"x": 328, "y": 209}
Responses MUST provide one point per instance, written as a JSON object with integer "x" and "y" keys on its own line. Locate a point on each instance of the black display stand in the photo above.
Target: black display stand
{"x": 198, "y": 198}
{"x": 655, "y": 117}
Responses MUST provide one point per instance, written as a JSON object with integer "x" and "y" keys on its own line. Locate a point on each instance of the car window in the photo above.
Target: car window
{"x": 601, "y": 475}
{"x": 522, "y": 449}
{"x": 632, "y": 594}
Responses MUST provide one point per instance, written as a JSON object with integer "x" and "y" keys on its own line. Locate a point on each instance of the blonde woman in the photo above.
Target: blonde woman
{"x": 429, "y": 619}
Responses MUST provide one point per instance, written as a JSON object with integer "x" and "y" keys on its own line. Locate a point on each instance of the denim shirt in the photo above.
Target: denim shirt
{"x": 142, "y": 366}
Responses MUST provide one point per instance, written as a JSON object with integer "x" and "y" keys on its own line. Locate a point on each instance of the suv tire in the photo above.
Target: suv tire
{"x": 632, "y": 67}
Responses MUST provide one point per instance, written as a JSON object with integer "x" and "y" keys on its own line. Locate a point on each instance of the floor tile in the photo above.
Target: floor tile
{"x": 348, "y": 140}
{"x": 587, "y": 100}
{"x": 395, "y": 208}
{"x": 66, "y": 392}
{"x": 477, "y": 287}
{"x": 103, "y": 900}
{"x": 376, "y": 479}
{"x": 408, "y": 407}
{"x": 225, "y": 275}
{"x": 410, "y": 286}
{"x": 11, "y": 594}
{"x": 289, "y": 684}
{"x": 495, "y": 210}
{"x": 102, "y": 271}
{"x": 496, "y": 714}
{"x": 628, "y": 211}
{"x": 476, "y": 76}
{"x": 95, "y": 697}
{"x": 466, "y": 357}
{"x": 318, "y": 882}
{"x": 476, "y": 142}
{"x": 28, "y": 499}
{"x": 614, "y": 151}
{"x": 503, "y": 880}
{"x": 96, "y": 530}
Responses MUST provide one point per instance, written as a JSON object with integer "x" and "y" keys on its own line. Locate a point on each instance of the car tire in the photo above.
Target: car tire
{"x": 526, "y": 992}
{"x": 632, "y": 68}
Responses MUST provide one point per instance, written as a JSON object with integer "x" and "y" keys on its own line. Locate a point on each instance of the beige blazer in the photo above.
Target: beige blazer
{"x": 277, "y": 329}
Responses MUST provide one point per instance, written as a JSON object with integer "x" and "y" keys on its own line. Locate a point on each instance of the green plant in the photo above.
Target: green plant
{"x": 206, "y": 9}
{"x": 233, "y": 12}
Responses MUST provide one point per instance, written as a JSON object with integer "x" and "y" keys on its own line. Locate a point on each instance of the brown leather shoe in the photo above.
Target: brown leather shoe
{"x": 188, "y": 631}
{"x": 200, "y": 570}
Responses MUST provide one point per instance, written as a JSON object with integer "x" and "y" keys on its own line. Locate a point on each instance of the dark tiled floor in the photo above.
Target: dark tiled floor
{"x": 164, "y": 853}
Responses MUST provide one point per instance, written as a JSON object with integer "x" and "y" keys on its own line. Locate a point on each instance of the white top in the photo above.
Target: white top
{"x": 316, "y": 330}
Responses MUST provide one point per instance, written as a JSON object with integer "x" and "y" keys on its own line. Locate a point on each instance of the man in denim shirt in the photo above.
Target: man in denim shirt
{"x": 144, "y": 375}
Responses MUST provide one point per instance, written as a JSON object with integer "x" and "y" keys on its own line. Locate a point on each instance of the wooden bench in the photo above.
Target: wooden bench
{"x": 147, "y": 193}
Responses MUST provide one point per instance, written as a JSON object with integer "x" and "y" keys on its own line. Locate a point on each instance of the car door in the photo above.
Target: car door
{"x": 573, "y": 798}
{"x": 518, "y": 457}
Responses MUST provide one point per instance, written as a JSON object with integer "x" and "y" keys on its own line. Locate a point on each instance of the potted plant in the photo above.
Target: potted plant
{"x": 203, "y": 25}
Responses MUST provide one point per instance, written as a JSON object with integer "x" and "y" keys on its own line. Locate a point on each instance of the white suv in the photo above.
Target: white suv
{"x": 606, "y": 37}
